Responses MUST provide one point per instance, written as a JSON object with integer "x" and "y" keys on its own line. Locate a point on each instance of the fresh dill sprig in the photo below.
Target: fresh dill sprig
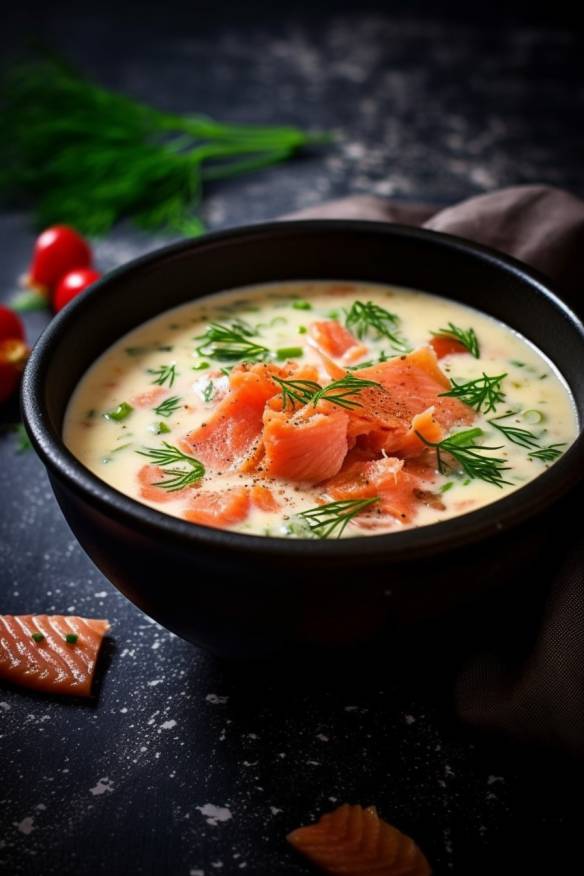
{"x": 179, "y": 477}
{"x": 230, "y": 342}
{"x": 88, "y": 157}
{"x": 333, "y": 518}
{"x": 482, "y": 394}
{"x": 466, "y": 337}
{"x": 165, "y": 372}
{"x": 209, "y": 392}
{"x": 521, "y": 437}
{"x": 469, "y": 457}
{"x": 307, "y": 392}
{"x": 547, "y": 454}
{"x": 168, "y": 406}
{"x": 339, "y": 392}
{"x": 301, "y": 391}
{"x": 366, "y": 317}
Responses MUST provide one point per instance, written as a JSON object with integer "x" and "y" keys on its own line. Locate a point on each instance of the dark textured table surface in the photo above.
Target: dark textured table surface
{"x": 184, "y": 765}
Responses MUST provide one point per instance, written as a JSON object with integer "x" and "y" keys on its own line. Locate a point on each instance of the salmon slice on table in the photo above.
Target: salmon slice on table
{"x": 50, "y": 653}
{"x": 355, "y": 841}
{"x": 389, "y": 478}
{"x": 308, "y": 445}
{"x": 335, "y": 340}
{"x": 231, "y": 433}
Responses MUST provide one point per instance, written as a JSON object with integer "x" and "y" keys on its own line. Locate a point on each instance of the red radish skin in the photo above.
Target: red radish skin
{"x": 10, "y": 325}
{"x": 13, "y": 355}
{"x": 72, "y": 284}
{"x": 57, "y": 251}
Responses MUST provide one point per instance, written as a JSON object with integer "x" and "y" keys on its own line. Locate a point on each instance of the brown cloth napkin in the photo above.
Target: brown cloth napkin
{"x": 528, "y": 677}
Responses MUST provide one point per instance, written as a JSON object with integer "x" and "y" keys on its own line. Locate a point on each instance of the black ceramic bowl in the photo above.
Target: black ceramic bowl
{"x": 241, "y": 595}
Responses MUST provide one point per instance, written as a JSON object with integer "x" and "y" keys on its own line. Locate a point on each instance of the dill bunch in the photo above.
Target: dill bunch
{"x": 88, "y": 157}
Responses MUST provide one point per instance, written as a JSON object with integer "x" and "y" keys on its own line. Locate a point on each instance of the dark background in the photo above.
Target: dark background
{"x": 432, "y": 102}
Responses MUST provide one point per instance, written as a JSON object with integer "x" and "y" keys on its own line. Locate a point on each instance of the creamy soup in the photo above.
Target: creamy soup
{"x": 320, "y": 410}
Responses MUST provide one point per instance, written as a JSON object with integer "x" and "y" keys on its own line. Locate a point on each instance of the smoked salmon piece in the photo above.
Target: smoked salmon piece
{"x": 219, "y": 509}
{"x": 35, "y": 652}
{"x": 263, "y": 498}
{"x": 414, "y": 383}
{"x": 308, "y": 445}
{"x": 335, "y": 340}
{"x": 149, "y": 398}
{"x": 232, "y": 431}
{"x": 444, "y": 346}
{"x": 355, "y": 841}
{"x": 149, "y": 476}
{"x": 387, "y": 478}
{"x": 225, "y": 508}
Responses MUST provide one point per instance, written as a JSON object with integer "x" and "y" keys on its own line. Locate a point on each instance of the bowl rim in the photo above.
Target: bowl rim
{"x": 437, "y": 538}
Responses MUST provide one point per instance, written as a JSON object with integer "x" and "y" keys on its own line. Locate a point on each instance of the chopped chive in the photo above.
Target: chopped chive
{"x": 159, "y": 428}
{"x": 334, "y": 314}
{"x": 135, "y": 351}
{"x": 301, "y": 304}
{"x": 71, "y": 638}
{"x": 38, "y": 637}
{"x": 200, "y": 366}
{"x": 209, "y": 391}
{"x": 445, "y": 487}
{"x": 517, "y": 363}
{"x": 302, "y": 329}
{"x": 533, "y": 416}
{"x": 121, "y": 447}
{"x": 289, "y": 353}
{"x": 122, "y": 411}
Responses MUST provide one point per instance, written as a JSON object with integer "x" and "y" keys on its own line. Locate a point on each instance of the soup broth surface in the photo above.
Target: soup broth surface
{"x": 229, "y": 433}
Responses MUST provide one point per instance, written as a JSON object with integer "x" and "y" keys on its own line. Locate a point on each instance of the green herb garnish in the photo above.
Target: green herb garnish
{"x": 89, "y": 157}
{"x": 339, "y": 391}
{"x": 467, "y": 338}
{"x": 164, "y": 373}
{"x": 37, "y": 637}
{"x": 229, "y": 342}
{"x": 209, "y": 391}
{"x": 333, "y": 518}
{"x": 364, "y": 318}
{"x": 159, "y": 428}
{"x": 168, "y": 406}
{"x": 169, "y": 455}
{"x": 547, "y": 454}
{"x": 301, "y": 391}
{"x": 301, "y": 304}
{"x": 482, "y": 394}
{"x": 521, "y": 437}
{"x": 120, "y": 413}
{"x": 469, "y": 457}
{"x": 201, "y": 366}
{"x": 533, "y": 416}
{"x": 289, "y": 353}
{"x": 302, "y": 329}
{"x": 71, "y": 638}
